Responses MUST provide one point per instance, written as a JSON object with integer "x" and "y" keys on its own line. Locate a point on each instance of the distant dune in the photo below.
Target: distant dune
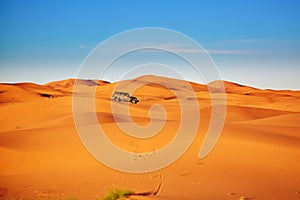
{"x": 256, "y": 157}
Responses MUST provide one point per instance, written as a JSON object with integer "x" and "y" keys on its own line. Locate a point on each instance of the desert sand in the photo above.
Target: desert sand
{"x": 42, "y": 157}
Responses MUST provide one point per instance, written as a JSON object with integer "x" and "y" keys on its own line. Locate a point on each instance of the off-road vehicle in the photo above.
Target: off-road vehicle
{"x": 124, "y": 97}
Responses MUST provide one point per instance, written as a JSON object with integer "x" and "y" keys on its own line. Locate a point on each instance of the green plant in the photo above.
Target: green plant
{"x": 116, "y": 193}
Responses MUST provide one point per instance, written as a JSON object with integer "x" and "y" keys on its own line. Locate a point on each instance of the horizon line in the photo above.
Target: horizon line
{"x": 111, "y": 82}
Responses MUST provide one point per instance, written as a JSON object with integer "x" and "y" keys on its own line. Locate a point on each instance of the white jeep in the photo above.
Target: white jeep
{"x": 124, "y": 97}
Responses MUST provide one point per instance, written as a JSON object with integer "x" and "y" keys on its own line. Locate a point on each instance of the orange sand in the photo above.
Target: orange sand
{"x": 42, "y": 157}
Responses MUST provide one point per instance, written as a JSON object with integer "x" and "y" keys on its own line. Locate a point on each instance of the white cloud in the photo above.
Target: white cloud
{"x": 239, "y": 41}
{"x": 218, "y": 51}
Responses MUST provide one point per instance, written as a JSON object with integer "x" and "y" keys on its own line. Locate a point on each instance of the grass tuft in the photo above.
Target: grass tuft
{"x": 116, "y": 193}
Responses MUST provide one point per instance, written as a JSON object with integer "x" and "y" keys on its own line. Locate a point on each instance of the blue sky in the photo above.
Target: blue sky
{"x": 252, "y": 42}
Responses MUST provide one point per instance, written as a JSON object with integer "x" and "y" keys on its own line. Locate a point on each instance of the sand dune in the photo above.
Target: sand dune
{"x": 288, "y": 120}
{"x": 42, "y": 157}
{"x": 67, "y": 85}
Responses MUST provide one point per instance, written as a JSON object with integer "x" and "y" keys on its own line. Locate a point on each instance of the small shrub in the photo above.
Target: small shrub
{"x": 116, "y": 193}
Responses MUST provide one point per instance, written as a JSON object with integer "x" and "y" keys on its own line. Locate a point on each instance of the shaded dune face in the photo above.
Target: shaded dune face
{"x": 42, "y": 156}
